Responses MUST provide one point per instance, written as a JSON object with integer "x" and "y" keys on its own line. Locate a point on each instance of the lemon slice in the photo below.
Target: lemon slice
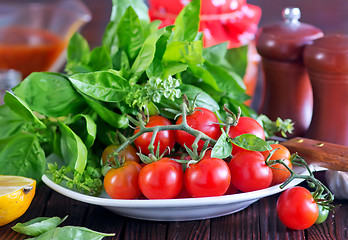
{"x": 16, "y": 194}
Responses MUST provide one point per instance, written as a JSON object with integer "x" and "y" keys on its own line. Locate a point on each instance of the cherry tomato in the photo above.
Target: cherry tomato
{"x": 201, "y": 119}
{"x": 249, "y": 171}
{"x": 297, "y": 209}
{"x": 162, "y": 179}
{"x": 323, "y": 213}
{"x": 164, "y": 138}
{"x": 245, "y": 125}
{"x": 128, "y": 154}
{"x": 209, "y": 177}
{"x": 280, "y": 172}
{"x": 122, "y": 182}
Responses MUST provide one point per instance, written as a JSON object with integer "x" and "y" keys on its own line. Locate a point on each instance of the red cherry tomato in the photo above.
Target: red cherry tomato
{"x": 162, "y": 179}
{"x": 280, "y": 172}
{"x": 209, "y": 177}
{"x": 164, "y": 138}
{"x": 249, "y": 171}
{"x": 297, "y": 209}
{"x": 201, "y": 119}
{"x": 122, "y": 183}
{"x": 128, "y": 154}
{"x": 245, "y": 125}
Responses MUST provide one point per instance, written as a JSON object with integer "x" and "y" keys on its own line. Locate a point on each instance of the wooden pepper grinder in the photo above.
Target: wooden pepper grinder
{"x": 287, "y": 89}
{"x": 327, "y": 64}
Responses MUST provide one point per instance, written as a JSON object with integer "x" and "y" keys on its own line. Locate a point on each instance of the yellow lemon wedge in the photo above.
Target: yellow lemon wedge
{"x": 16, "y": 194}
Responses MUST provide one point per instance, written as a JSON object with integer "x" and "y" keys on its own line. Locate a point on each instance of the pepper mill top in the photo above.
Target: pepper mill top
{"x": 328, "y": 54}
{"x": 285, "y": 40}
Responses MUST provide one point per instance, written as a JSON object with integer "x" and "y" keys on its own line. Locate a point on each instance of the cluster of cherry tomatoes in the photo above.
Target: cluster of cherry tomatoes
{"x": 167, "y": 178}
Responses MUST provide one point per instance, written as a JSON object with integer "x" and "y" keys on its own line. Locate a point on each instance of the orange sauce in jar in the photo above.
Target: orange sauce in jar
{"x": 29, "y": 50}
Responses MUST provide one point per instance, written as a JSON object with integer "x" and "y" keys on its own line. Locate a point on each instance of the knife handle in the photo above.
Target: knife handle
{"x": 323, "y": 154}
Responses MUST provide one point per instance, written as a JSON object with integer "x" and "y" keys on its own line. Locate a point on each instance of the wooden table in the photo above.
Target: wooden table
{"x": 258, "y": 221}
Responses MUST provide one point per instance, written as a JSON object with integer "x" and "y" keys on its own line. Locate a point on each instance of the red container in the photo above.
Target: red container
{"x": 327, "y": 64}
{"x": 287, "y": 89}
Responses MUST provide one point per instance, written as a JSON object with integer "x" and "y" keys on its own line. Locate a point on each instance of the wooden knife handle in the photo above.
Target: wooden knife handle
{"x": 323, "y": 154}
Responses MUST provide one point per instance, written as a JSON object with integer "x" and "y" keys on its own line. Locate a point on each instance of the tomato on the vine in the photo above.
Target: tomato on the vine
{"x": 297, "y": 209}
{"x": 162, "y": 179}
{"x": 280, "y": 172}
{"x": 249, "y": 171}
{"x": 245, "y": 125}
{"x": 122, "y": 182}
{"x": 128, "y": 154}
{"x": 165, "y": 139}
{"x": 209, "y": 177}
{"x": 201, "y": 119}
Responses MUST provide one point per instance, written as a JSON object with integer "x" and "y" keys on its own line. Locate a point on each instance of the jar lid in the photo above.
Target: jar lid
{"x": 285, "y": 40}
{"x": 328, "y": 54}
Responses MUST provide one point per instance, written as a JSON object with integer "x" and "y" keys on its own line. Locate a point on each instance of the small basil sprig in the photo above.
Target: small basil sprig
{"x": 46, "y": 228}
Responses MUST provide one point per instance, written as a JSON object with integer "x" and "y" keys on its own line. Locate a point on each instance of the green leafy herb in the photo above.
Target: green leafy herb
{"x": 251, "y": 142}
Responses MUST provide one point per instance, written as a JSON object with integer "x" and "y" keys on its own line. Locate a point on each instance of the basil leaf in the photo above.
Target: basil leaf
{"x": 172, "y": 68}
{"x": 102, "y": 85}
{"x": 74, "y": 151}
{"x": 87, "y": 129}
{"x": 251, "y": 142}
{"x": 50, "y": 94}
{"x": 119, "y": 7}
{"x": 77, "y": 54}
{"x": 203, "y": 99}
{"x": 222, "y": 148}
{"x": 72, "y": 233}
{"x": 238, "y": 58}
{"x": 129, "y": 32}
{"x": 112, "y": 118}
{"x": 184, "y": 52}
{"x": 23, "y": 156}
{"x": 187, "y": 22}
{"x": 22, "y": 109}
{"x": 37, "y": 226}
{"x": 146, "y": 55}
{"x": 10, "y": 122}
{"x": 100, "y": 59}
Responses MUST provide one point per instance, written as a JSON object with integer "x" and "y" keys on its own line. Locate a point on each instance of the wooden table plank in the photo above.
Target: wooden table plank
{"x": 140, "y": 229}
{"x": 190, "y": 230}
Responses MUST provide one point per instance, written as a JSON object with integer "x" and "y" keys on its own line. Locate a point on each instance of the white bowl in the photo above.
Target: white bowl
{"x": 181, "y": 209}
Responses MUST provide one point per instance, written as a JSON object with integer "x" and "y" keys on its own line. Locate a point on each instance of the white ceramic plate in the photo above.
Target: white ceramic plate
{"x": 182, "y": 209}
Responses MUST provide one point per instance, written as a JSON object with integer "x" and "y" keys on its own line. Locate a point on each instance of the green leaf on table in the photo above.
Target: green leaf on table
{"x": 23, "y": 156}
{"x": 187, "y": 22}
{"x": 50, "y": 94}
{"x": 112, "y": 118}
{"x": 146, "y": 55}
{"x": 223, "y": 147}
{"x": 101, "y": 85}
{"x": 20, "y": 107}
{"x": 184, "y": 52}
{"x": 100, "y": 59}
{"x": 130, "y": 34}
{"x": 74, "y": 151}
{"x": 251, "y": 142}
{"x": 37, "y": 226}
{"x": 86, "y": 127}
{"x": 10, "y": 122}
{"x": 72, "y": 233}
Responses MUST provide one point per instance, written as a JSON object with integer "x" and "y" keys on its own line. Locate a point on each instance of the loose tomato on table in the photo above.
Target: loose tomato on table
{"x": 249, "y": 171}
{"x": 122, "y": 182}
{"x": 201, "y": 119}
{"x": 297, "y": 209}
{"x": 127, "y": 154}
{"x": 280, "y": 172}
{"x": 209, "y": 177}
{"x": 165, "y": 138}
{"x": 245, "y": 125}
{"x": 162, "y": 179}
